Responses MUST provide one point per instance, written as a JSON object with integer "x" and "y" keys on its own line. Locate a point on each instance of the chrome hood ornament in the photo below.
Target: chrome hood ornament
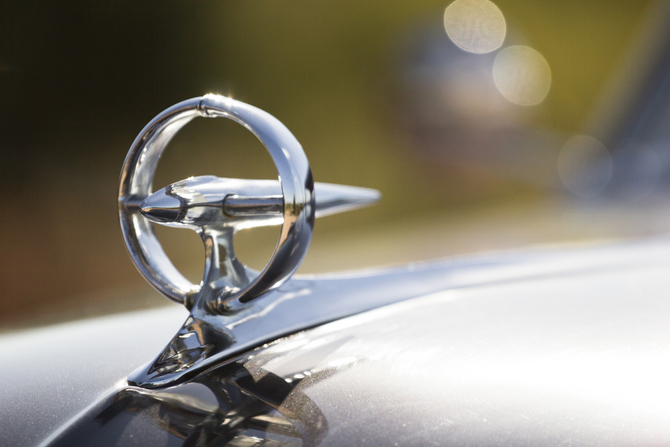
{"x": 230, "y": 294}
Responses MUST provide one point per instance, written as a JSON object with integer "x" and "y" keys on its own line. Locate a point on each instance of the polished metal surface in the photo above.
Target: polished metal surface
{"x": 216, "y": 208}
{"x": 232, "y": 284}
{"x": 204, "y": 201}
{"x": 542, "y": 349}
{"x": 206, "y": 338}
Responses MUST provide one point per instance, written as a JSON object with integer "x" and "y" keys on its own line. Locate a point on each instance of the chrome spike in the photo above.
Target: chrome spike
{"x": 208, "y": 201}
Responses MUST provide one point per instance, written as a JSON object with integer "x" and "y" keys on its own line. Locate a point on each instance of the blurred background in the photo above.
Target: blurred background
{"x": 486, "y": 126}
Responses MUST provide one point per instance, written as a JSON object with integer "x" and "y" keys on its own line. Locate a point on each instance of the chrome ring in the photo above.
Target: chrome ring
{"x": 294, "y": 174}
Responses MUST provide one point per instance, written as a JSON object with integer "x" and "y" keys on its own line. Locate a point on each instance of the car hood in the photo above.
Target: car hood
{"x": 538, "y": 347}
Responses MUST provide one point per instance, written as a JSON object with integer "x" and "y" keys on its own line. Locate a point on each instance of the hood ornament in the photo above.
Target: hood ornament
{"x": 230, "y": 294}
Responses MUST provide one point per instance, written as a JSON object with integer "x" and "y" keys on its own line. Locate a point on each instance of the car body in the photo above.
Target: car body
{"x": 528, "y": 348}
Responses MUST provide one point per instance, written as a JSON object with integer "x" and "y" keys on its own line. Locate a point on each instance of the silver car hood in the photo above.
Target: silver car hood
{"x": 551, "y": 347}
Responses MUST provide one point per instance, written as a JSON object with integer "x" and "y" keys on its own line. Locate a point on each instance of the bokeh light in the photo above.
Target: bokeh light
{"x": 522, "y": 75}
{"x": 585, "y": 166}
{"x": 476, "y": 26}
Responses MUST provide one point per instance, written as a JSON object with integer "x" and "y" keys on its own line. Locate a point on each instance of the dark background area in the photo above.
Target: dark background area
{"x": 80, "y": 79}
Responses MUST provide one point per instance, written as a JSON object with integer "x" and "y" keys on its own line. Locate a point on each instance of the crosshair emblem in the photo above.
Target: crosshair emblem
{"x": 217, "y": 207}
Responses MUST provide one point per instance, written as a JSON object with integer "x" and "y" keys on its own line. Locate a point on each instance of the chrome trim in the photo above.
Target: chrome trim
{"x": 297, "y": 189}
{"x": 227, "y": 312}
